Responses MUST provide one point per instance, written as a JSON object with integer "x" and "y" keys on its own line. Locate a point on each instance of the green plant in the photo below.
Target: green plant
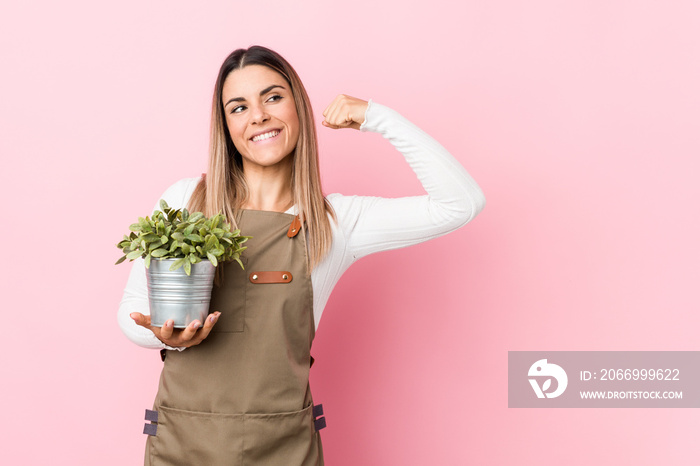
{"x": 187, "y": 237}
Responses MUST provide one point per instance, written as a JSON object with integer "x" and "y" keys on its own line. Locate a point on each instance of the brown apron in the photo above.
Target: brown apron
{"x": 242, "y": 396}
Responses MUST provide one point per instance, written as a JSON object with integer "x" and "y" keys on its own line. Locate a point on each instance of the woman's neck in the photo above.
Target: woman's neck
{"x": 269, "y": 189}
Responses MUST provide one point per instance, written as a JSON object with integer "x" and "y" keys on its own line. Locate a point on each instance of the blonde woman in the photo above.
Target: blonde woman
{"x": 235, "y": 388}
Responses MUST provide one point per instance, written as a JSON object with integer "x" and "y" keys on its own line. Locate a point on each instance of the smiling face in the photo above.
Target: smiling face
{"x": 261, "y": 116}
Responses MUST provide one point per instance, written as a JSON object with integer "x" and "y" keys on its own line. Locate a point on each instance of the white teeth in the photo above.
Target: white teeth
{"x": 267, "y": 135}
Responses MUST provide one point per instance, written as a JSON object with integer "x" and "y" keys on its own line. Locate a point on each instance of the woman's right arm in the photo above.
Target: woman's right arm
{"x": 372, "y": 224}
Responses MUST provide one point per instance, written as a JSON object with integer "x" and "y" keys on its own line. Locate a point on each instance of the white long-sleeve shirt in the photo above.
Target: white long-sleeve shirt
{"x": 366, "y": 224}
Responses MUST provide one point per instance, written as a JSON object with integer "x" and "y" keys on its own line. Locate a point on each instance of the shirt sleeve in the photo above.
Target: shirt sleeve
{"x": 135, "y": 298}
{"x": 453, "y": 198}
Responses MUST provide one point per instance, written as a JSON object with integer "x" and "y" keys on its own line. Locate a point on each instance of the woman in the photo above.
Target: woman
{"x": 235, "y": 389}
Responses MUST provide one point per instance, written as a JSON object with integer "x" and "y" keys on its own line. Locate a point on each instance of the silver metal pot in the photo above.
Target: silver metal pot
{"x": 175, "y": 295}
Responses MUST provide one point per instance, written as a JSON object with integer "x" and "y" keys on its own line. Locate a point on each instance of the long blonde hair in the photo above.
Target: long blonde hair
{"x": 224, "y": 187}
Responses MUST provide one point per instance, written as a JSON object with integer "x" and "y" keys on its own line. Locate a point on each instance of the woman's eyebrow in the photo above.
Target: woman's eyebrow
{"x": 262, "y": 93}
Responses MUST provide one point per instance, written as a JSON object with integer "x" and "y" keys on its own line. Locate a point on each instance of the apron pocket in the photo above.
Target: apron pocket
{"x": 232, "y": 318}
{"x": 192, "y": 437}
{"x": 281, "y": 439}
{"x": 230, "y": 300}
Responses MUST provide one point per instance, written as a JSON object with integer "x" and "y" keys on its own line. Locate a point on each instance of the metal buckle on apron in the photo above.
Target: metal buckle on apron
{"x": 150, "y": 429}
{"x": 319, "y": 423}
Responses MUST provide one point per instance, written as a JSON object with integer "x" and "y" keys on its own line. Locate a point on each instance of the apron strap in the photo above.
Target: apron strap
{"x": 294, "y": 227}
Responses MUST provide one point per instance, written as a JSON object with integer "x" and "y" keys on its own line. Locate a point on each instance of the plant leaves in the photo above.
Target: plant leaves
{"x": 187, "y": 237}
{"x": 133, "y": 255}
{"x": 160, "y": 252}
{"x": 178, "y": 263}
{"x": 212, "y": 259}
{"x": 195, "y": 217}
{"x": 150, "y": 237}
{"x": 145, "y": 225}
{"x": 121, "y": 259}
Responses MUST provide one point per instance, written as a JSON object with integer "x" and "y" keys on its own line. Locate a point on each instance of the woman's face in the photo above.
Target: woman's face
{"x": 261, "y": 116}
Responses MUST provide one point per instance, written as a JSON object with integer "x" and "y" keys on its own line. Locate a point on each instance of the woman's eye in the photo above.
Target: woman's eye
{"x": 274, "y": 98}
{"x": 238, "y": 109}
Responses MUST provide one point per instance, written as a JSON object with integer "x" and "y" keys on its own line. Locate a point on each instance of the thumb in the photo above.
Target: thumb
{"x": 140, "y": 319}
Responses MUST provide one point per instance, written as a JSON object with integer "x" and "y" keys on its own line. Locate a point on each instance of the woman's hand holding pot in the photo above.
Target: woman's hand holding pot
{"x": 345, "y": 112}
{"x": 190, "y": 336}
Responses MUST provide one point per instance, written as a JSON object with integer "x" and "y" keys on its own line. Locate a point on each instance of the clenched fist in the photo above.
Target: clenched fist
{"x": 345, "y": 112}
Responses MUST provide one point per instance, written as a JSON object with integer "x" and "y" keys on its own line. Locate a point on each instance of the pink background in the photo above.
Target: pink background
{"x": 579, "y": 119}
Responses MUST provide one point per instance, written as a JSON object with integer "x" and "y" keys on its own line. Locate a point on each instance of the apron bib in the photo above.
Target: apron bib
{"x": 242, "y": 396}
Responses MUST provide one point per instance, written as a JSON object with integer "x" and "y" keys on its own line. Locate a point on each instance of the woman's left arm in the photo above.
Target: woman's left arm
{"x": 453, "y": 197}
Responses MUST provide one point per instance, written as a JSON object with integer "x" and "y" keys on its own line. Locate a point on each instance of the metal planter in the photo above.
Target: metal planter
{"x": 175, "y": 295}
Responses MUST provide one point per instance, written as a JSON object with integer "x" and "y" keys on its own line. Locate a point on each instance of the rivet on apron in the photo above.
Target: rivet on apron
{"x": 255, "y": 277}
{"x": 285, "y": 276}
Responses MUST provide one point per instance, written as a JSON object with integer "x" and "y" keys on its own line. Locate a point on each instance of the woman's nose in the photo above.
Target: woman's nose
{"x": 258, "y": 114}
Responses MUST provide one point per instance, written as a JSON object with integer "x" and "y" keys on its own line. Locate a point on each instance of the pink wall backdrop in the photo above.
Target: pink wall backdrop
{"x": 579, "y": 119}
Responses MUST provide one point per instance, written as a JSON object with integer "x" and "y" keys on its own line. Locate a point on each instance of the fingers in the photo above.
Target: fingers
{"x": 208, "y": 325}
{"x": 328, "y": 125}
{"x": 189, "y": 331}
{"x": 166, "y": 332}
{"x": 191, "y": 335}
{"x": 331, "y": 107}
